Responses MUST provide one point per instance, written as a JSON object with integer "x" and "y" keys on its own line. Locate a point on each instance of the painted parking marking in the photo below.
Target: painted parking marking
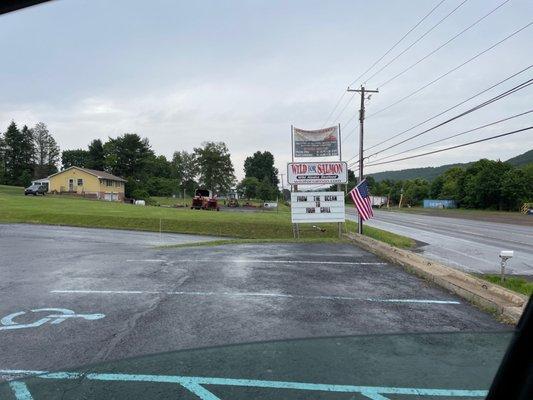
{"x": 252, "y": 261}
{"x": 196, "y": 385}
{"x": 247, "y": 294}
{"x": 58, "y": 315}
{"x": 20, "y": 390}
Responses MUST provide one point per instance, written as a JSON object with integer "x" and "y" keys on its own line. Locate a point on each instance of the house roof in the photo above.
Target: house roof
{"x": 98, "y": 174}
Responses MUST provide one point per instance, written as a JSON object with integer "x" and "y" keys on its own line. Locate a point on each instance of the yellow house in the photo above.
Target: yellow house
{"x": 88, "y": 183}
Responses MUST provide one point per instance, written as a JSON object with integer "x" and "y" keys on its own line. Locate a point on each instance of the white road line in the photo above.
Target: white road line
{"x": 107, "y": 291}
{"x": 8, "y": 372}
{"x": 246, "y": 294}
{"x": 249, "y": 261}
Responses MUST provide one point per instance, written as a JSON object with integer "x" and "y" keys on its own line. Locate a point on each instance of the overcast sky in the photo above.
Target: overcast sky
{"x": 184, "y": 72}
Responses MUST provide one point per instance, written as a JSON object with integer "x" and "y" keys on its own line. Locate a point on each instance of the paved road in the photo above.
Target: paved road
{"x": 469, "y": 245}
{"x": 70, "y": 297}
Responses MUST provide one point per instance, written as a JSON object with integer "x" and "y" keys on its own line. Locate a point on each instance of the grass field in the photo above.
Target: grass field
{"x": 63, "y": 210}
{"x": 516, "y": 284}
{"x": 172, "y": 201}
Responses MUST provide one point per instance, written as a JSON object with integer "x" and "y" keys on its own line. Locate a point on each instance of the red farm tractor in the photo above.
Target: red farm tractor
{"x": 204, "y": 200}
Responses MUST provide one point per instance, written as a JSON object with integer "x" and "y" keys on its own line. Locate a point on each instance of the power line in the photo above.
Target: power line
{"x": 344, "y": 108}
{"x": 456, "y": 135}
{"x": 398, "y": 42}
{"x": 445, "y": 111}
{"x": 444, "y": 44}
{"x": 417, "y": 40}
{"x": 452, "y": 107}
{"x": 521, "y": 86}
{"x": 348, "y": 135}
{"x": 334, "y": 108}
{"x": 377, "y": 61}
{"x": 452, "y": 70}
{"x": 452, "y": 147}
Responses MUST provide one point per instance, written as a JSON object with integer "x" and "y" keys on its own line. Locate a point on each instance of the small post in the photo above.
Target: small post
{"x": 502, "y": 271}
{"x": 160, "y": 234}
{"x": 504, "y": 256}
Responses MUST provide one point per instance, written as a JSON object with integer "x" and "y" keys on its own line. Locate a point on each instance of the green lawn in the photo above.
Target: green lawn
{"x": 63, "y": 210}
{"x": 171, "y": 201}
{"x": 516, "y": 284}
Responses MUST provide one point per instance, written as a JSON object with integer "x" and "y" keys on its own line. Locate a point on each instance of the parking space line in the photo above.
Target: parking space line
{"x": 253, "y": 261}
{"x": 196, "y": 384}
{"x": 272, "y": 295}
{"x": 20, "y": 390}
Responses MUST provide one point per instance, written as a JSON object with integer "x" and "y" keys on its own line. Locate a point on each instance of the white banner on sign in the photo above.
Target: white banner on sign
{"x": 308, "y": 207}
{"x": 318, "y": 143}
{"x": 312, "y": 173}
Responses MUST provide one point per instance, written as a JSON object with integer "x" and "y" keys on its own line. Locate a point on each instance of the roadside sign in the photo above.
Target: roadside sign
{"x": 308, "y": 207}
{"x": 329, "y": 172}
{"x": 317, "y": 143}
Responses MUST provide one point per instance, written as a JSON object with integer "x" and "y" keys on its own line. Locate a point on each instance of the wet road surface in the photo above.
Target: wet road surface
{"x": 469, "y": 245}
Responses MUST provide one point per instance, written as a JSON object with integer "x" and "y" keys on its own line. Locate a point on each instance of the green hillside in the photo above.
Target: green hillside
{"x": 522, "y": 159}
{"x": 431, "y": 173}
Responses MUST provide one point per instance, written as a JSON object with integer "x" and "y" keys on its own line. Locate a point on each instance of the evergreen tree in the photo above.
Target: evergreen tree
{"x": 71, "y": 158}
{"x": 128, "y": 156}
{"x": 18, "y": 155}
{"x": 260, "y": 165}
{"x": 2, "y": 159}
{"x": 96, "y": 157}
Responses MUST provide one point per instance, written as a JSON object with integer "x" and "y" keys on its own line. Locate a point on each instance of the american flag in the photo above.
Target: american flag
{"x": 361, "y": 199}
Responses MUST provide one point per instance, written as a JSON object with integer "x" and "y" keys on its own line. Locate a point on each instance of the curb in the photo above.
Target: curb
{"x": 505, "y": 303}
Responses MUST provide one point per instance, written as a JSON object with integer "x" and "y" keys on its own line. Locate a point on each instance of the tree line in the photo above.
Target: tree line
{"x": 26, "y": 154}
{"x": 208, "y": 166}
{"x": 132, "y": 158}
{"x": 484, "y": 184}
{"x": 32, "y": 153}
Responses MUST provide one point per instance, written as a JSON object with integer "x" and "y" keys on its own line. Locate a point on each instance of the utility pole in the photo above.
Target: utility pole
{"x": 282, "y": 187}
{"x": 363, "y": 91}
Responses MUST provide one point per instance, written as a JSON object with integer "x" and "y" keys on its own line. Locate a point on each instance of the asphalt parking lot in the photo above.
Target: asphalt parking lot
{"x": 98, "y": 296}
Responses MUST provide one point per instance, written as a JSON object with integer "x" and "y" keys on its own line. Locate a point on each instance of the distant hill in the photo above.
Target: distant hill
{"x": 431, "y": 173}
{"x": 522, "y": 159}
